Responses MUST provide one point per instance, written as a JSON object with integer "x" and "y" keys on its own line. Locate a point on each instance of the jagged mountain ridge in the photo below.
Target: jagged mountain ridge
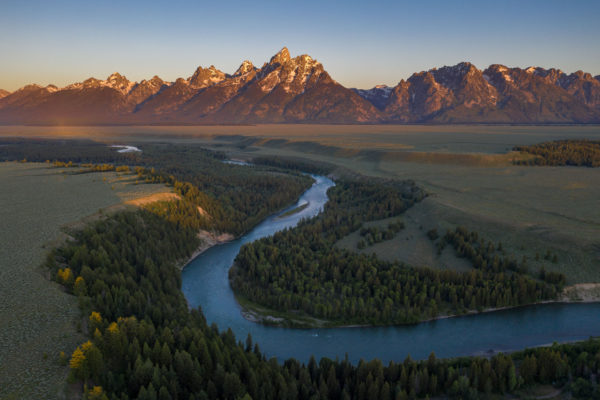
{"x": 300, "y": 90}
{"x": 498, "y": 94}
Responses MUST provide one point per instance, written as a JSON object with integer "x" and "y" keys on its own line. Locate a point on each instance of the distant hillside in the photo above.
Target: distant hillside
{"x": 299, "y": 90}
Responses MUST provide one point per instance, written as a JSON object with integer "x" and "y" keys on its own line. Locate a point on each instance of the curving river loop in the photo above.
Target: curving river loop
{"x": 205, "y": 283}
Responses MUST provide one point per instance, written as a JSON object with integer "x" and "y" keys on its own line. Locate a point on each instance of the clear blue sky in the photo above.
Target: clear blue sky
{"x": 361, "y": 43}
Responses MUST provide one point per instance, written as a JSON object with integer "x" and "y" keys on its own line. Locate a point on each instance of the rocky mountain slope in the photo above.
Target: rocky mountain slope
{"x": 299, "y": 90}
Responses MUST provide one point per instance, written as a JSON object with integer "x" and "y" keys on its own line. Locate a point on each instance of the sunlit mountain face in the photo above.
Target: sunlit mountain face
{"x": 299, "y": 90}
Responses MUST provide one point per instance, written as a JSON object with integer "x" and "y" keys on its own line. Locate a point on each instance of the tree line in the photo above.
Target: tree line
{"x": 486, "y": 255}
{"x": 563, "y": 152}
{"x": 375, "y": 234}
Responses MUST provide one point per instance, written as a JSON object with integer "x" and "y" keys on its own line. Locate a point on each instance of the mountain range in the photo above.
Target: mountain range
{"x": 300, "y": 90}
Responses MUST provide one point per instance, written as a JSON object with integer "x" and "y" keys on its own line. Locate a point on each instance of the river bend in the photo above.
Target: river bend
{"x": 205, "y": 283}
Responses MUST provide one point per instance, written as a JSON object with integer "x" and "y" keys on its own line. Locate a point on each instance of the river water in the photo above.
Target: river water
{"x": 205, "y": 283}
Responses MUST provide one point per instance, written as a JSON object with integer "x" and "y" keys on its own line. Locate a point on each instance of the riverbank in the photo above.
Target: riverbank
{"x": 253, "y": 312}
{"x": 211, "y": 239}
{"x": 208, "y": 240}
{"x": 582, "y": 293}
{"x": 256, "y": 313}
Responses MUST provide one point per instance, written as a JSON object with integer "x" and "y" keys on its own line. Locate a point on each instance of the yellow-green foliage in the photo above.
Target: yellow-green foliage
{"x": 80, "y": 288}
{"x": 102, "y": 168}
{"x": 95, "y": 319}
{"x": 86, "y": 360}
{"x": 60, "y": 164}
{"x": 77, "y": 359}
{"x": 65, "y": 276}
{"x": 96, "y": 393}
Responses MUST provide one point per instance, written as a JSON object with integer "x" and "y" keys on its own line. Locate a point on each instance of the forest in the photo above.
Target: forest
{"x": 563, "y": 152}
{"x": 301, "y": 269}
{"x": 144, "y": 343}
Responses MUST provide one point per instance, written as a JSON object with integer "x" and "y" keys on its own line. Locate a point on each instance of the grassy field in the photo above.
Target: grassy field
{"x": 489, "y": 139}
{"x": 411, "y": 245}
{"x": 38, "y": 319}
{"x": 530, "y": 210}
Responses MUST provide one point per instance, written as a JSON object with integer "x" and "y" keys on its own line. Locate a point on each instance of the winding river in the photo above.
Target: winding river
{"x": 205, "y": 284}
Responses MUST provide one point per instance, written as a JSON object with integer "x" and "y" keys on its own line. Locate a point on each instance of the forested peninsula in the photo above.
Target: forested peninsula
{"x": 302, "y": 270}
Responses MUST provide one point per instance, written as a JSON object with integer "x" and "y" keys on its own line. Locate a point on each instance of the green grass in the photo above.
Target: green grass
{"x": 36, "y": 316}
{"x": 489, "y": 139}
{"x": 411, "y": 245}
{"x": 530, "y": 210}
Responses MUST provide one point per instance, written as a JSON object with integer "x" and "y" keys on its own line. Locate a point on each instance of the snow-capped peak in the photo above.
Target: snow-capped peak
{"x": 115, "y": 77}
{"x": 281, "y": 57}
{"x": 244, "y": 68}
{"x": 204, "y": 77}
{"x": 118, "y": 82}
{"x": 115, "y": 81}
{"x": 531, "y": 70}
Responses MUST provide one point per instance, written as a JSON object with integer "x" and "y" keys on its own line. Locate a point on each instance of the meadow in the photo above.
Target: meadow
{"x": 476, "y": 139}
{"x": 38, "y": 319}
{"x": 531, "y": 210}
